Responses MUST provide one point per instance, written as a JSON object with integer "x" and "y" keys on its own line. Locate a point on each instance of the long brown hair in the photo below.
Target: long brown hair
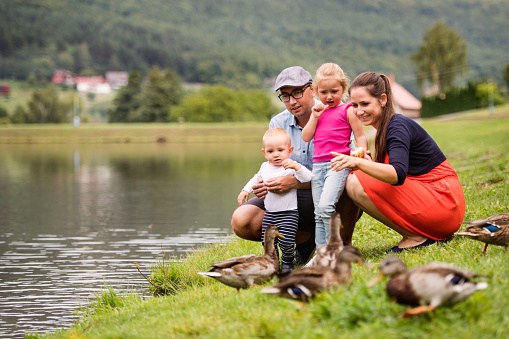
{"x": 376, "y": 85}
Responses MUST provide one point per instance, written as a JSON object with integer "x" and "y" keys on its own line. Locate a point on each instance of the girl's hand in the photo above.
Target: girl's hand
{"x": 318, "y": 110}
{"x": 358, "y": 152}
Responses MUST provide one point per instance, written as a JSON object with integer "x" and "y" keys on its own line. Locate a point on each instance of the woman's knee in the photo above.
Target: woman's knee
{"x": 354, "y": 188}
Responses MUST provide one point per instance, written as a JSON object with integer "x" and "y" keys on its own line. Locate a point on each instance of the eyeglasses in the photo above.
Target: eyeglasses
{"x": 296, "y": 94}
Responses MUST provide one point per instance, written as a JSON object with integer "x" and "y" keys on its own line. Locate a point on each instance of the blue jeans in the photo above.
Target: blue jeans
{"x": 327, "y": 186}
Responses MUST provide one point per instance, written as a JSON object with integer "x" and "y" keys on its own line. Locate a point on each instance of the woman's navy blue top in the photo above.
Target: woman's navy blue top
{"x": 411, "y": 149}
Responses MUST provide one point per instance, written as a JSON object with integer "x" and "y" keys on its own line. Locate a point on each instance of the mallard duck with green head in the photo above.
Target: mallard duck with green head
{"x": 303, "y": 283}
{"x": 427, "y": 286}
{"x": 248, "y": 270}
{"x": 493, "y": 230}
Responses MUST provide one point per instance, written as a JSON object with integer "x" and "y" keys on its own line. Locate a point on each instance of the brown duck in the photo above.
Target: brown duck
{"x": 327, "y": 254}
{"x": 250, "y": 269}
{"x": 493, "y": 230}
{"x": 303, "y": 283}
{"x": 427, "y": 286}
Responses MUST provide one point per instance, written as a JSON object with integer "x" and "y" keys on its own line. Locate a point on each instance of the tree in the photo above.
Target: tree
{"x": 82, "y": 57}
{"x": 19, "y": 116}
{"x": 43, "y": 67}
{"x": 441, "y": 56}
{"x": 219, "y": 103}
{"x": 127, "y": 99}
{"x": 162, "y": 91}
{"x": 45, "y": 107}
{"x": 506, "y": 75}
{"x": 3, "y": 112}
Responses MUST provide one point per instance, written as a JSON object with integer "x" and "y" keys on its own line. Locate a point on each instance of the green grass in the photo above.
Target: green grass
{"x": 476, "y": 145}
{"x": 131, "y": 133}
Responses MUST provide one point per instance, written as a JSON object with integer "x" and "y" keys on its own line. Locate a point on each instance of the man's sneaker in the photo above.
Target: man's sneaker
{"x": 304, "y": 252}
{"x": 286, "y": 267}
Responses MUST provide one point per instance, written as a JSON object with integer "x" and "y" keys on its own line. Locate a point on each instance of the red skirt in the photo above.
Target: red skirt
{"x": 431, "y": 205}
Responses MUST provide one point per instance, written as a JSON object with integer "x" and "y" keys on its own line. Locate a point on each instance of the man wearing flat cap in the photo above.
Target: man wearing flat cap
{"x": 296, "y": 91}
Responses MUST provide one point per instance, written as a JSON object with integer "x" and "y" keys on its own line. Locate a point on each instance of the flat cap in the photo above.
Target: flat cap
{"x": 294, "y": 76}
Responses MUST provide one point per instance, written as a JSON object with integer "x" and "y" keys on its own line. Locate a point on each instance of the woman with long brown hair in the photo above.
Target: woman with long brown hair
{"x": 410, "y": 186}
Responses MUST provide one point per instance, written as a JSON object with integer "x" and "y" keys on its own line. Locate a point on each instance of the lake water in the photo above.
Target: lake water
{"x": 75, "y": 218}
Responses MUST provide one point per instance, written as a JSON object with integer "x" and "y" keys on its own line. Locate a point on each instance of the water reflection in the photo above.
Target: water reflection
{"x": 73, "y": 218}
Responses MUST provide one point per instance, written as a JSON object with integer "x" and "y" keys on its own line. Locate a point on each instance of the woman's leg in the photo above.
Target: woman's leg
{"x": 348, "y": 213}
{"x": 360, "y": 198}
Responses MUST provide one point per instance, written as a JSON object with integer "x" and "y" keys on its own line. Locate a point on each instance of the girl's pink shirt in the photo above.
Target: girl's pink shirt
{"x": 332, "y": 133}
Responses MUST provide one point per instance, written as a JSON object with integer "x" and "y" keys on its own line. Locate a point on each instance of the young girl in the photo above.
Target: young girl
{"x": 331, "y": 124}
{"x": 281, "y": 208}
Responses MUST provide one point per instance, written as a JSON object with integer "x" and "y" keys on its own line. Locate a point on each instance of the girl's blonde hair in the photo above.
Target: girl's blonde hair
{"x": 331, "y": 71}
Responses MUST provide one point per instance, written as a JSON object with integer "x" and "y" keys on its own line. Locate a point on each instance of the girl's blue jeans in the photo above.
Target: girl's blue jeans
{"x": 326, "y": 186}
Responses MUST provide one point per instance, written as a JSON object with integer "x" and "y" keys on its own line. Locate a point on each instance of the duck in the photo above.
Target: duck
{"x": 493, "y": 230}
{"x": 427, "y": 286}
{"x": 327, "y": 254}
{"x": 304, "y": 283}
{"x": 250, "y": 269}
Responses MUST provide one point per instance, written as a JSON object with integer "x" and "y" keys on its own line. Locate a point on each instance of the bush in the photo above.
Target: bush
{"x": 19, "y": 116}
{"x": 46, "y": 107}
{"x": 485, "y": 90}
{"x": 3, "y": 112}
{"x": 219, "y": 103}
{"x": 458, "y": 99}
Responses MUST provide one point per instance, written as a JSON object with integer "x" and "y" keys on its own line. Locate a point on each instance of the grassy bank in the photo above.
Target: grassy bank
{"x": 131, "y": 133}
{"x": 475, "y": 143}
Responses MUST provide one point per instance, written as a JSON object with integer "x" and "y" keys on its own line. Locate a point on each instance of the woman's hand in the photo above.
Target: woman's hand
{"x": 367, "y": 155}
{"x": 342, "y": 161}
{"x": 383, "y": 172}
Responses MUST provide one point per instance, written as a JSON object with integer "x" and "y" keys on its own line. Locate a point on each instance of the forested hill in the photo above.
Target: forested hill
{"x": 242, "y": 41}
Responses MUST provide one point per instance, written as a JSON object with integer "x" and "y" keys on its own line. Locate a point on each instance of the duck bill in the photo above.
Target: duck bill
{"x": 364, "y": 263}
{"x": 376, "y": 280}
{"x": 280, "y": 236}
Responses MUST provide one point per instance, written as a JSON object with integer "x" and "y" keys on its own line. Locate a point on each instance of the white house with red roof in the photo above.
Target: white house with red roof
{"x": 94, "y": 84}
{"x": 63, "y": 77}
{"x": 404, "y": 102}
{"x": 117, "y": 79}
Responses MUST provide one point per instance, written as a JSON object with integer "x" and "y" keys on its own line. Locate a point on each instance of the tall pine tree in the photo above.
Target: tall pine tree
{"x": 127, "y": 99}
{"x": 162, "y": 91}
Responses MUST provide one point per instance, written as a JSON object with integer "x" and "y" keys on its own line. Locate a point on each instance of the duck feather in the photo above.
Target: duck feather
{"x": 250, "y": 269}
